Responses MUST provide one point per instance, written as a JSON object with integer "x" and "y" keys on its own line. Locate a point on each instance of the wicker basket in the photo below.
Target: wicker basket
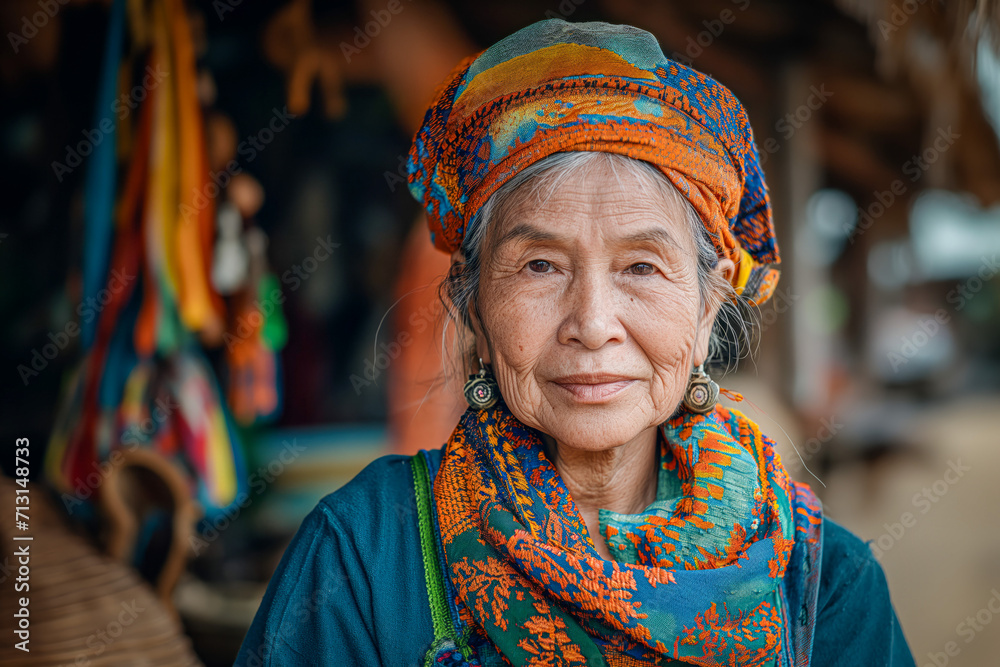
{"x": 88, "y": 608}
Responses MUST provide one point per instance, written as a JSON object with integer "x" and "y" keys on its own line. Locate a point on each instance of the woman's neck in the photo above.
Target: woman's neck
{"x": 622, "y": 479}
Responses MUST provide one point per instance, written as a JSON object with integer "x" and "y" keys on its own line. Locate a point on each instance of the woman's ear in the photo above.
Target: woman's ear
{"x": 725, "y": 269}
{"x": 482, "y": 345}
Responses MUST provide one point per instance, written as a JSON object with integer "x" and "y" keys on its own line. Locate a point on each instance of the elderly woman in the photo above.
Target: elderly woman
{"x": 595, "y": 504}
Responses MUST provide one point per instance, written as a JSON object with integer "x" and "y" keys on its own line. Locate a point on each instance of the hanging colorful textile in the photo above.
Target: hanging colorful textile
{"x": 149, "y": 238}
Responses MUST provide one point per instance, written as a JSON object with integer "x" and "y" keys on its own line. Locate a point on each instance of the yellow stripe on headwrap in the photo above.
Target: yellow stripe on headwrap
{"x": 758, "y": 281}
{"x": 743, "y": 271}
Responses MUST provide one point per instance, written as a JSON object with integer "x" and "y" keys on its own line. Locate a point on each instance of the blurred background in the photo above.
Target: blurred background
{"x": 220, "y": 302}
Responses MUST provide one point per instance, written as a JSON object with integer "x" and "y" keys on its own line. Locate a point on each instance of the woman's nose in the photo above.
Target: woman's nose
{"x": 591, "y": 316}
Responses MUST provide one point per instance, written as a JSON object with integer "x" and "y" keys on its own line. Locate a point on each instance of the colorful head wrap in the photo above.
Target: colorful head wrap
{"x": 557, "y": 86}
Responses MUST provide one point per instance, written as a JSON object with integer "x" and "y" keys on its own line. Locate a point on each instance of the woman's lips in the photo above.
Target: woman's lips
{"x": 594, "y": 388}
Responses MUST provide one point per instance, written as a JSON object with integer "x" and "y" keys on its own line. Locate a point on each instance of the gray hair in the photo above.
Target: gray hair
{"x": 731, "y": 331}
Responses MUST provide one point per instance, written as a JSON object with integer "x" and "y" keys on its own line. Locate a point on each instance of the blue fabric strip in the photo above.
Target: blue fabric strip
{"x": 99, "y": 185}
{"x": 800, "y": 590}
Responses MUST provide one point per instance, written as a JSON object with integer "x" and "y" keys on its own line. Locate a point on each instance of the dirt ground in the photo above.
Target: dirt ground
{"x": 931, "y": 511}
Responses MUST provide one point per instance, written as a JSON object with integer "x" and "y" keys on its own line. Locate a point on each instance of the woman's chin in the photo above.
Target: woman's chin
{"x": 597, "y": 427}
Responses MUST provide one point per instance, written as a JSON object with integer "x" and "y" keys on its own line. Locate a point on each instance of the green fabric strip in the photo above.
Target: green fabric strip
{"x": 428, "y": 548}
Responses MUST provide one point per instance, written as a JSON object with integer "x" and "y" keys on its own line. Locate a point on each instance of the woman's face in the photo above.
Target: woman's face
{"x": 591, "y": 308}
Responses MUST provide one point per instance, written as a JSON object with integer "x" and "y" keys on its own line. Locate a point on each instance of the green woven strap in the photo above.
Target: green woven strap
{"x": 428, "y": 547}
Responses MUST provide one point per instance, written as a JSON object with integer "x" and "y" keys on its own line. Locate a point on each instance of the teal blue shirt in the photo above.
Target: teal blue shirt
{"x": 350, "y": 588}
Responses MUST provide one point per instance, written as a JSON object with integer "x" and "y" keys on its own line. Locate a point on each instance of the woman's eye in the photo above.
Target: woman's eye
{"x": 642, "y": 269}
{"x": 539, "y": 266}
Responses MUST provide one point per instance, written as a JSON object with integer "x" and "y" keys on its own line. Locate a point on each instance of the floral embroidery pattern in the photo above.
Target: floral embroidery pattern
{"x": 695, "y": 578}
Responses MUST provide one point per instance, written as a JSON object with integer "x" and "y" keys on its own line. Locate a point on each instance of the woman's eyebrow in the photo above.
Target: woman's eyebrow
{"x": 525, "y": 232}
{"x": 655, "y": 236}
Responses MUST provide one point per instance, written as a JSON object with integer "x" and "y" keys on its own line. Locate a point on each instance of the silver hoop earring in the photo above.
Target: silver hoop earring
{"x": 702, "y": 392}
{"x": 481, "y": 389}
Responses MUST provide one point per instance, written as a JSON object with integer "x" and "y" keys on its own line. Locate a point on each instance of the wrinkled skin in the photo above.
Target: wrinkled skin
{"x": 590, "y": 314}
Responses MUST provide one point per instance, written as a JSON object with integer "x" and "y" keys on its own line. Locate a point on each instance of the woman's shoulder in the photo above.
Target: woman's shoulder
{"x": 843, "y": 550}
{"x": 847, "y": 562}
{"x": 383, "y": 492}
{"x": 351, "y": 582}
{"x": 382, "y": 484}
{"x": 856, "y": 622}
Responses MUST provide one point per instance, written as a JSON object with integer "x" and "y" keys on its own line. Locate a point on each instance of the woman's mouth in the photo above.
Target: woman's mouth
{"x": 594, "y": 388}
